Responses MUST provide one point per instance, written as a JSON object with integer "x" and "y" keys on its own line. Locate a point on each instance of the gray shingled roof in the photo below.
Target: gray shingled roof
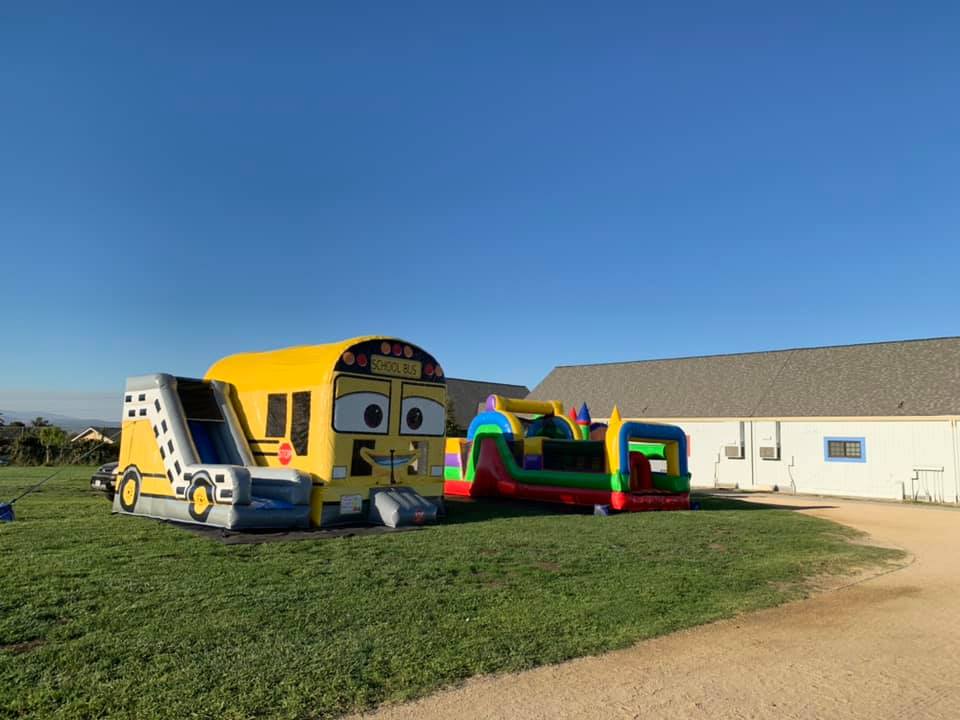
{"x": 468, "y": 394}
{"x": 911, "y": 377}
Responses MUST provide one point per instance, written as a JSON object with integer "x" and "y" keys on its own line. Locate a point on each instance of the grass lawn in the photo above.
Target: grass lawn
{"x": 127, "y": 617}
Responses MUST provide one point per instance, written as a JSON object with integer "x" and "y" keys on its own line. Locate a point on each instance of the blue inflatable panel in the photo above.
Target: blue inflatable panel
{"x": 203, "y": 443}
{"x": 258, "y": 503}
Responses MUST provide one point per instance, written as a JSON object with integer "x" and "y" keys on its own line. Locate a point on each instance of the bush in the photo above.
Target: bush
{"x": 27, "y": 450}
{"x": 49, "y": 445}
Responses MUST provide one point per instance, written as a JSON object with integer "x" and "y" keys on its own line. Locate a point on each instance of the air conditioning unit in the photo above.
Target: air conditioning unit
{"x": 733, "y": 452}
{"x": 770, "y": 452}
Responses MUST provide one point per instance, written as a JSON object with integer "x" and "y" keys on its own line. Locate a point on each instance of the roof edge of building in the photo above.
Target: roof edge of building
{"x": 487, "y": 382}
{"x": 755, "y": 352}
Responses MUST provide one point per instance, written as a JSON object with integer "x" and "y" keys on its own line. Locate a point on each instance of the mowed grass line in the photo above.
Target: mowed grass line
{"x": 104, "y": 616}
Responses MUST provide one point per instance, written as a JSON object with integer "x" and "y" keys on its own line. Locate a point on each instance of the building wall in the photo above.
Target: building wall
{"x": 902, "y": 458}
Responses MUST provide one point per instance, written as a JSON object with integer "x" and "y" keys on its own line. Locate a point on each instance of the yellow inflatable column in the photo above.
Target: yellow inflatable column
{"x": 672, "y": 453}
{"x": 612, "y": 441}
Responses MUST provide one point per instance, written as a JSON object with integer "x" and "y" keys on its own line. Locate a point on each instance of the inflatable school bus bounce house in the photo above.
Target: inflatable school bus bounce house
{"x": 530, "y": 450}
{"x": 318, "y": 435}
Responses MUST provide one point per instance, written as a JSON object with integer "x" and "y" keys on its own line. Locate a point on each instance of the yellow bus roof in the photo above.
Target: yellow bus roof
{"x": 295, "y": 366}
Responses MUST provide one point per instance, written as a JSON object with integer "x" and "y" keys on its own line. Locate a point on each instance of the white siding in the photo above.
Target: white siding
{"x": 894, "y": 451}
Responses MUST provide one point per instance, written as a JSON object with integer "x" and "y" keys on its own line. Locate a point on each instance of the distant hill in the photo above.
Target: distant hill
{"x": 69, "y": 424}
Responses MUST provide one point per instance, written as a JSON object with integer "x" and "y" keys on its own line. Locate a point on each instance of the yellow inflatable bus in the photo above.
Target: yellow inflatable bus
{"x": 357, "y": 415}
{"x": 346, "y": 432}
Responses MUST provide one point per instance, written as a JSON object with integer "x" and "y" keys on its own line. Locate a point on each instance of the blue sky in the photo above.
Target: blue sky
{"x": 510, "y": 185}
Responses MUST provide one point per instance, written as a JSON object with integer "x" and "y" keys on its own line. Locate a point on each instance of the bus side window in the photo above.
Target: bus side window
{"x": 276, "y": 415}
{"x": 300, "y": 422}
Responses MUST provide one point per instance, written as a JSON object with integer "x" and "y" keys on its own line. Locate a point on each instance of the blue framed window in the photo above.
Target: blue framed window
{"x": 845, "y": 449}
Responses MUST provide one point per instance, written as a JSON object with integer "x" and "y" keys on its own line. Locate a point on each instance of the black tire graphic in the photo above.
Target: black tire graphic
{"x": 200, "y": 497}
{"x": 129, "y": 489}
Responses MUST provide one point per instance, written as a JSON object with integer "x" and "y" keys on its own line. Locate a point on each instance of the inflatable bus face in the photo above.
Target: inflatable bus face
{"x": 365, "y": 413}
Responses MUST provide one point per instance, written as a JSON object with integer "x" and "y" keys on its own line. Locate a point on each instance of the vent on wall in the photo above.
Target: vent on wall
{"x": 770, "y": 453}
{"x": 733, "y": 452}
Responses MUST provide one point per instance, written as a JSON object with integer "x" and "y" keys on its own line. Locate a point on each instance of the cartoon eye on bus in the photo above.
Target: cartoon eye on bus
{"x": 359, "y": 423}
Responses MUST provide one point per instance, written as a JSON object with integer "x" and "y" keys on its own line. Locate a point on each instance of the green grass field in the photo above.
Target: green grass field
{"x": 104, "y": 616}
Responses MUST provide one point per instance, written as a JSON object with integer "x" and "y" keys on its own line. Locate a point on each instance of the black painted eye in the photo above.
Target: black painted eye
{"x": 414, "y": 418}
{"x": 373, "y": 416}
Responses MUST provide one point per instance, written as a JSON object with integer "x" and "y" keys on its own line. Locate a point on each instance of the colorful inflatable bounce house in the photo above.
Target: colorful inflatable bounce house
{"x": 530, "y": 450}
{"x": 318, "y": 435}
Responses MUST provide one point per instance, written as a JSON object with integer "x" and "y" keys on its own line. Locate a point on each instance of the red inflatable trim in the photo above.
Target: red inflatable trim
{"x": 460, "y": 488}
{"x": 493, "y": 479}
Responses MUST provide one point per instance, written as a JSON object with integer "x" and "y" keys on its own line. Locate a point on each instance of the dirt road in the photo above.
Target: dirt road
{"x": 888, "y": 647}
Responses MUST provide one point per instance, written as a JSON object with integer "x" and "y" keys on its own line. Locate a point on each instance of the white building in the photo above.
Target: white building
{"x": 878, "y": 420}
{"x": 106, "y": 435}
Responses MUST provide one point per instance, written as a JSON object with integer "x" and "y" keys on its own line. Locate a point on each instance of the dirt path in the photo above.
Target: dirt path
{"x": 888, "y": 647}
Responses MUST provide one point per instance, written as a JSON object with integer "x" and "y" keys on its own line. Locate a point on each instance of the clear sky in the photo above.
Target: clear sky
{"x": 510, "y": 185}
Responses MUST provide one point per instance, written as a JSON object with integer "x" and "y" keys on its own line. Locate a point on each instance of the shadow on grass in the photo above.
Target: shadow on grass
{"x": 712, "y": 502}
{"x": 257, "y": 536}
{"x": 460, "y": 511}
{"x": 464, "y": 510}
{"x": 467, "y": 510}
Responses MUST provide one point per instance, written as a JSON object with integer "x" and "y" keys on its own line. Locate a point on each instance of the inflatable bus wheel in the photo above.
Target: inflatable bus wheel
{"x": 200, "y": 496}
{"x": 129, "y": 489}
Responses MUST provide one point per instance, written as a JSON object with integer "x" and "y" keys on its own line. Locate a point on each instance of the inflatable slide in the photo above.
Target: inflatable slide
{"x": 184, "y": 457}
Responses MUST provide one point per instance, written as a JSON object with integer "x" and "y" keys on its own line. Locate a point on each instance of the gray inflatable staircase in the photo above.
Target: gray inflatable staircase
{"x": 396, "y": 506}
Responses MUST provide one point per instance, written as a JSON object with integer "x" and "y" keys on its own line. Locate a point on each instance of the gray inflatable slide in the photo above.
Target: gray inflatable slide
{"x": 189, "y": 428}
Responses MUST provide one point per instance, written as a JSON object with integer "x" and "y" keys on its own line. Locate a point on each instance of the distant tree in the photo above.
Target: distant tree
{"x": 2, "y": 421}
{"x": 27, "y": 450}
{"x": 17, "y": 423}
{"x": 39, "y": 422}
{"x": 82, "y": 453}
{"x": 452, "y": 429}
{"x": 51, "y": 438}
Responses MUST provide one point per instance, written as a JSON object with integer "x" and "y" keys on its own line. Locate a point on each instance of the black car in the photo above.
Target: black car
{"x": 104, "y": 478}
